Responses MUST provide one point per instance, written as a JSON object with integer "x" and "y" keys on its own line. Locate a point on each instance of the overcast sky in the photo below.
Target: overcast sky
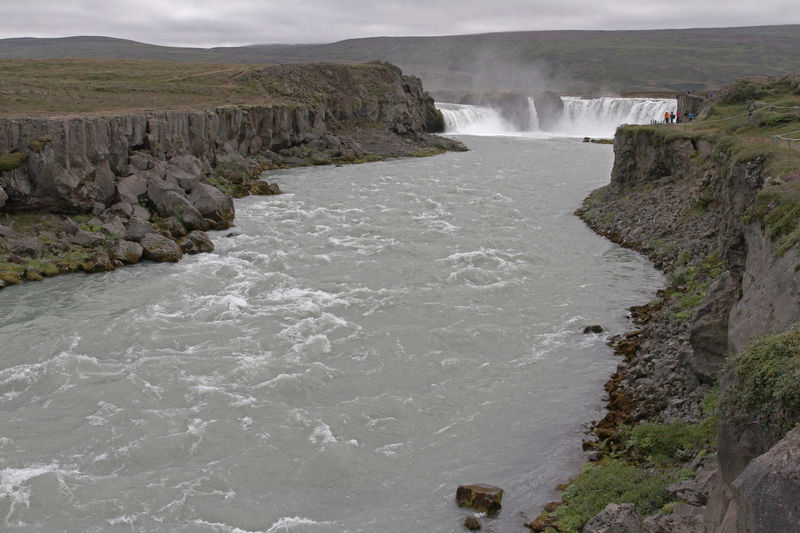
{"x": 208, "y": 23}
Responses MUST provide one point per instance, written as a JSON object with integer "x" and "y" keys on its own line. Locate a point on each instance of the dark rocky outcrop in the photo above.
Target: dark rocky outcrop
{"x": 175, "y": 172}
{"x": 767, "y": 492}
{"x": 480, "y": 497}
{"x": 684, "y": 201}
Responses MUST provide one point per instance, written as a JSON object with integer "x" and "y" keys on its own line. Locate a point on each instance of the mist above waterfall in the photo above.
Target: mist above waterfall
{"x": 579, "y": 117}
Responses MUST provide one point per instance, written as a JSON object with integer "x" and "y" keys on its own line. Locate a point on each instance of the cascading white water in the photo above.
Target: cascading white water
{"x": 581, "y": 117}
{"x": 473, "y": 120}
{"x": 533, "y": 116}
{"x": 600, "y": 117}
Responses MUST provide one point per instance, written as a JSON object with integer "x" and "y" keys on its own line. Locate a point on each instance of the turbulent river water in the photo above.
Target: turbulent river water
{"x": 362, "y": 344}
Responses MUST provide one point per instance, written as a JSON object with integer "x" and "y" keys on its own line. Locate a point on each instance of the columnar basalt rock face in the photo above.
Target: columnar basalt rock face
{"x": 149, "y": 176}
{"x": 73, "y": 163}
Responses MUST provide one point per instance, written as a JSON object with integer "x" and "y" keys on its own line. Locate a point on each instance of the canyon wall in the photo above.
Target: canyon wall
{"x": 687, "y": 201}
{"x": 155, "y": 181}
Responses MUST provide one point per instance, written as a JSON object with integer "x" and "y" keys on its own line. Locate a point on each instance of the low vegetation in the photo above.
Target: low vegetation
{"x": 12, "y": 161}
{"x": 648, "y": 458}
{"x": 67, "y": 86}
{"x": 765, "y": 387}
{"x": 612, "y": 481}
{"x": 53, "y": 256}
{"x": 689, "y": 282}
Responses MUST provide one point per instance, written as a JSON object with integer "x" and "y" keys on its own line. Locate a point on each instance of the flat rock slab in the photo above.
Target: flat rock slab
{"x": 480, "y": 497}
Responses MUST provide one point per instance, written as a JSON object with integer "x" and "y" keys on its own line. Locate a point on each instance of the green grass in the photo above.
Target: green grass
{"x": 777, "y": 207}
{"x": 613, "y": 481}
{"x": 665, "y": 444}
{"x": 12, "y": 161}
{"x": 765, "y": 384}
{"x": 66, "y": 86}
{"x": 689, "y": 282}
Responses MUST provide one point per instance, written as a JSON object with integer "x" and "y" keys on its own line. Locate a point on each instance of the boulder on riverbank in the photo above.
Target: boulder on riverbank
{"x": 480, "y": 497}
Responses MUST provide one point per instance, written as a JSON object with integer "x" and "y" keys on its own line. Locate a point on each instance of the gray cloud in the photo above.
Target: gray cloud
{"x": 235, "y": 22}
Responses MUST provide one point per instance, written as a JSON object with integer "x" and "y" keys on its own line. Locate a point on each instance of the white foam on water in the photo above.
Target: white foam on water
{"x": 15, "y": 482}
{"x": 473, "y": 120}
{"x": 390, "y": 449}
{"x": 322, "y": 435}
{"x": 292, "y": 522}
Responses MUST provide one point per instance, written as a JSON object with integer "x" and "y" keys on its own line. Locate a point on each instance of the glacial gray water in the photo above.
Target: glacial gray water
{"x": 371, "y": 338}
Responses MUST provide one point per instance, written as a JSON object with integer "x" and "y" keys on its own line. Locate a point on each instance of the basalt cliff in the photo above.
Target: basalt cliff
{"x": 701, "y": 430}
{"x": 90, "y": 192}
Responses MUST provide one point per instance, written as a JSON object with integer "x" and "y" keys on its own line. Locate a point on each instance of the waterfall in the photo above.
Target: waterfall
{"x": 599, "y": 117}
{"x": 580, "y": 117}
{"x": 473, "y": 120}
{"x": 533, "y": 117}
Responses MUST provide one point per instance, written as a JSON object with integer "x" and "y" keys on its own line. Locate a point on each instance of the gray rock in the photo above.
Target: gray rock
{"x": 88, "y": 239}
{"x": 158, "y": 248}
{"x": 172, "y": 201}
{"x": 615, "y": 518}
{"x": 3, "y": 197}
{"x": 140, "y": 212}
{"x": 709, "y": 329}
{"x": 189, "y": 164}
{"x": 98, "y": 262}
{"x": 136, "y": 229}
{"x": 70, "y": 227}
{"x": 7, "y": 232}
{"x": 125, "y": 251}
{"x": 768, "y": 490}
{"x": 142, "y": 161}
{"x": 770, "y": 287}
{"x": 132, "y": 188}
{"x": 683, "y": 519}
{"x": 213, "y": 204}
{"x": 123, "y": 209}
{"x": 27, "y": 246}
{"x": 174, "y": 227}
{"x": 182, "y": 179}
{"x": 196, "y": 242}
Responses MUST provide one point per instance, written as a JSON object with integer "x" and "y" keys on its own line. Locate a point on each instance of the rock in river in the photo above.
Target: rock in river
{"x": 480, "y": 497}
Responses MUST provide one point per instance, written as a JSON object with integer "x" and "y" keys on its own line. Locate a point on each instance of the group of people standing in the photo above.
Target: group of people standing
{"x": 672, "y": 118}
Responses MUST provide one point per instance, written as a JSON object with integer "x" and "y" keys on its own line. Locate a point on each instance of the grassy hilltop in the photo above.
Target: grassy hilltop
{"x": 569, "y": 62}
{"x": 55, "y": 87}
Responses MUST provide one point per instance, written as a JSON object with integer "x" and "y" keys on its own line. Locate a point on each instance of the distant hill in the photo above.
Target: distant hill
{"x": 569, "y": 62}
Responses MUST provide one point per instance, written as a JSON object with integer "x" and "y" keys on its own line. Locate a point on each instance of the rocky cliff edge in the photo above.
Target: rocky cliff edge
{"x": 714, "y": 204}
{"x": 94, "y": 192}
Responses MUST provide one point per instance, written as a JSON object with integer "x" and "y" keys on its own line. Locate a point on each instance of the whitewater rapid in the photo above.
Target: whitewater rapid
{"x": 580, "y": 117}
{"x": 349, "y": 353}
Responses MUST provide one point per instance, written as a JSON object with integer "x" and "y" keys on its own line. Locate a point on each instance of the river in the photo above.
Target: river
{"x": 352, "y": 350}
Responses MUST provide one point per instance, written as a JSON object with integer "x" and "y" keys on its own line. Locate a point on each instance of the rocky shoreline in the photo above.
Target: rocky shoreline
{"x": 701, "y": 208}
{"x": 92, "y": 193}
